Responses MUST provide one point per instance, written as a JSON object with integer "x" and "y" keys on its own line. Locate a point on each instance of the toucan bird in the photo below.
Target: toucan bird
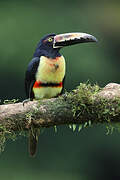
{"x": 46, "y": 71}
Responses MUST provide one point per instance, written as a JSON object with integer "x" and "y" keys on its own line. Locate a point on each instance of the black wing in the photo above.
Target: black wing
{"x": 30, "y": 77}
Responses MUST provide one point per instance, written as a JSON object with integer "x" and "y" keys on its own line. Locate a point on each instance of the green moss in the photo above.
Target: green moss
{"x": 4, "y": 135}
{"x": 12, "y": 101}
{"x": 82, "y": 99}
{"x": 109, "y": 129}
{"x": 86, "y": 107}
{"x": 2, "y": 139}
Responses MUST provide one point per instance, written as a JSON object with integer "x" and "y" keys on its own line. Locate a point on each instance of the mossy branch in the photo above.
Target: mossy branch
{"x": 85, "y": 105}
{"x": 79, "y": 106}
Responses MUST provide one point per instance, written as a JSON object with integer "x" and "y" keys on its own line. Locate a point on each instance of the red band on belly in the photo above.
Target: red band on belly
{"x": 39, "y": 84}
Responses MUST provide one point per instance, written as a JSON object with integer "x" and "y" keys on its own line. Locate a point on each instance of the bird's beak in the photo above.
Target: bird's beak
{"x": 69, "y": 39}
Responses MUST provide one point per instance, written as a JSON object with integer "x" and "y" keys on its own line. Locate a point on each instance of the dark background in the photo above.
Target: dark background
{"x": 87, "y": 155}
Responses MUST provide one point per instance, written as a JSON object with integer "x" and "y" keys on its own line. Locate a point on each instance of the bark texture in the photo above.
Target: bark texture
{"x": 85, "y": 104}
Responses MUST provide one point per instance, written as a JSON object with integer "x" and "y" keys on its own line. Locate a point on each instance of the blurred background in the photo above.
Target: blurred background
{"x": 90, "y": 154}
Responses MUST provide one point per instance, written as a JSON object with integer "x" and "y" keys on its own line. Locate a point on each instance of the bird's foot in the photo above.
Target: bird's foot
{"x": 26, "y": 101}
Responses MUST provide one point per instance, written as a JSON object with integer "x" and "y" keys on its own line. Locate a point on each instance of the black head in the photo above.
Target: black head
{"x": 45, "y": 47}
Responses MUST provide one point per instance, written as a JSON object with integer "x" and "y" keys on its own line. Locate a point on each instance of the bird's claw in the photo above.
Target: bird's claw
{"x": 26, "y": 101}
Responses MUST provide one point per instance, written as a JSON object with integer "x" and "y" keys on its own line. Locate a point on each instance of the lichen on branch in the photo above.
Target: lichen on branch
{"x": 85, "y": 105}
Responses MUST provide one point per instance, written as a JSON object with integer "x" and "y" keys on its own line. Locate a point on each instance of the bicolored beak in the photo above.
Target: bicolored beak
{"x": 68, "y": 39}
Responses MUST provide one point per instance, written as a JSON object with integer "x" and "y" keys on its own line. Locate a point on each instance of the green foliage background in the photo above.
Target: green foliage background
{"x": 89, "y": 154}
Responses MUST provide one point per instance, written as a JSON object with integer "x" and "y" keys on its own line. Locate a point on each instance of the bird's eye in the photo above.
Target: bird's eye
{"x": 50, "y": 39}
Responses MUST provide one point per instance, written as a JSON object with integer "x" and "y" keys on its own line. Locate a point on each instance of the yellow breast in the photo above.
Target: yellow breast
{"x": 51, "y": 70}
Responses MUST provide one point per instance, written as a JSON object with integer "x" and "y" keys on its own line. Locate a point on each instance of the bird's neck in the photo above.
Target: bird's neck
{"x": 49, "y": 53}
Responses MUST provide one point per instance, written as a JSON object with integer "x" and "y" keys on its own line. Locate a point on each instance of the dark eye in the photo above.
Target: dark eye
{"x": 50, "y": 39}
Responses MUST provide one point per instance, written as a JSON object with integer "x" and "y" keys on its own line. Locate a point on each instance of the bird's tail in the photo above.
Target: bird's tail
{"x": 33, "y": 141}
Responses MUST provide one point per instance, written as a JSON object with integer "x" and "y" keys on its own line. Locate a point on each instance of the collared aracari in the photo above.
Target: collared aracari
{"x": 46, "y": 71}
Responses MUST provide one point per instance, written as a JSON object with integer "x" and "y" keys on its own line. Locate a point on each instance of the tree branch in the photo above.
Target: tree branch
{"x": 85, "y": 105}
